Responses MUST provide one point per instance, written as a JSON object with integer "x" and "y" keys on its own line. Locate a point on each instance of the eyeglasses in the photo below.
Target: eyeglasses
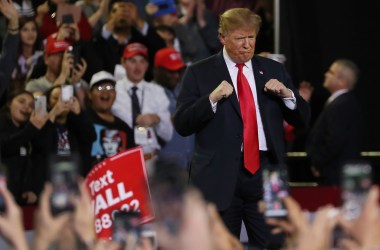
{"x": 105, "y": 87}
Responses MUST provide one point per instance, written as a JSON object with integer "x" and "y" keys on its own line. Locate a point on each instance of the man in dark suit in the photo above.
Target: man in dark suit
{"x": 335, "y": 137}
{"x": 208, "y": 105}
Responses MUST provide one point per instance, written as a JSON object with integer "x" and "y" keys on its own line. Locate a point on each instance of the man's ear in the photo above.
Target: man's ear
{"x": 221, "y": 38}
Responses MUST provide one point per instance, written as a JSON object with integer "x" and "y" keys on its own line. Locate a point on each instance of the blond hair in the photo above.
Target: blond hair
{"x": 238, "y": 18}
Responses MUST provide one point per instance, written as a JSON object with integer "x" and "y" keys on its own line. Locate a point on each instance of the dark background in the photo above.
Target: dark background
{"x": 314, "y": 33}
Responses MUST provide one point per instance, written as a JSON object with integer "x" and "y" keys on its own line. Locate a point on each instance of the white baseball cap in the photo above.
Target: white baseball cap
{"x": 100, "y": 77}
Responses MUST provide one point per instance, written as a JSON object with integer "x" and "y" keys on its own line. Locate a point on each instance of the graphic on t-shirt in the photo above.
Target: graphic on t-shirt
{"x": 108, "y": 142}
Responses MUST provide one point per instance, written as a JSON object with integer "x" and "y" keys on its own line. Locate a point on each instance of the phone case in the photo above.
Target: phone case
{"x": 275, "y": 184}
{"x": 356, "y": 182}
{"x": 67, "y": 92}
{"x": 40, "y": 105}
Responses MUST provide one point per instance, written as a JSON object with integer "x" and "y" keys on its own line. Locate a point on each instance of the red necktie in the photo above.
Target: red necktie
{"x": 248, "y": 113}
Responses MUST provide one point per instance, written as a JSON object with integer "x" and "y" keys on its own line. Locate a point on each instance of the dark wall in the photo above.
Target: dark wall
{"x": 316, "y": 32}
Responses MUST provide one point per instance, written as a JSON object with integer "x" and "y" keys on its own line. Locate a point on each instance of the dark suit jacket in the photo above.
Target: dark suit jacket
{"x": 335, "y": 137}
{"x": 217, "y": 156}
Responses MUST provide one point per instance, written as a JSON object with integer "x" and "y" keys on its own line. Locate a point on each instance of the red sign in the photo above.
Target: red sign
{"x": 119, "y": 183}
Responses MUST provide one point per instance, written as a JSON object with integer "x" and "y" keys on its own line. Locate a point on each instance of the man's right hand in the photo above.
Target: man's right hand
{"x": 224, "y": 90}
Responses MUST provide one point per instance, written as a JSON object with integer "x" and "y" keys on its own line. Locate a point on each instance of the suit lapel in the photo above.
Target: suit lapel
{"x": 260, "y": 80}
{"x": 223, "y": 70}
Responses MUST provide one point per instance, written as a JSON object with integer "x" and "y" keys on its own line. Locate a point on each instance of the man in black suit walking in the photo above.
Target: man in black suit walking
{"x": 235, "y": 102}
{"x": 335, "y": 137}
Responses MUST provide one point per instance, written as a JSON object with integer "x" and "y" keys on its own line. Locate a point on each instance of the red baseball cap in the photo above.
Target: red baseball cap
{"x": 168, "y": 58}
{"x": 135, "y": 49}
{"x": 55, "y": 46}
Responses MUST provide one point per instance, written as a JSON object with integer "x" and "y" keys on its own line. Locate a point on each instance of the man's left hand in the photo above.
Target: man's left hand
{"x": 277, "y": 88}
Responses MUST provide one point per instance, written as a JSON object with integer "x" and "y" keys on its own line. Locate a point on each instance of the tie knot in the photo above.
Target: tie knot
{"x": 240, "y": 66}
{"x": 134, "y": 89}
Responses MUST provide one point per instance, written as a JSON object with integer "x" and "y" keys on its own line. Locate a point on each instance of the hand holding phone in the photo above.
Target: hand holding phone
{"x": 356, "y": 182}
{"x": 64, "y": 178}
{"x": 67, "y": 92}
{"x": 126, "y": 229}
{"x": 275, "y": 184}
{"x": 40, "y": 105}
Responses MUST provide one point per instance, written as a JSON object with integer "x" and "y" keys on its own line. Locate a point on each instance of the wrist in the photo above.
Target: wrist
{"x": 13, "y": 29}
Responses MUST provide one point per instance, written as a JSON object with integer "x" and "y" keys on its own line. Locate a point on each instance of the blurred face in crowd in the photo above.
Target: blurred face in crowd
{"x": 239, "y": 44}
{"x": 124, "y": 15}
{"x": 167, "y": 36}
{"x": 168, "y": 78}
{"x": 333, "y": 79}
{"x": 168, "y": 19}
{"x": 20, "y": 108}
{"x": 102, "y": 96}
{"x": 28, "y": 33}
{"x": 136, "y": 67}
{"x": 54, "y": 97}
{"x": 54, "y": 62}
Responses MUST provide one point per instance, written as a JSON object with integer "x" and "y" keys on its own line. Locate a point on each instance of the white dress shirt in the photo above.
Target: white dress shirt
{"x": 248, "y": 73}
{"x": 153, "y": 100}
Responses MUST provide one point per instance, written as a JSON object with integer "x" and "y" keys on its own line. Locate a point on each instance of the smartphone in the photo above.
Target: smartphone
{"x": 275, "y": 185}
{"x": 67, "y": 92}
{"x": 40, "y": 105}
{"x": 64, "y": 178}
{"x": 68, "y": 13}
{"x": 67, "y": 18}
{"x": 74, "y": 51}
{"x": 356, "y": 182}
{"x": 126, "y": 229}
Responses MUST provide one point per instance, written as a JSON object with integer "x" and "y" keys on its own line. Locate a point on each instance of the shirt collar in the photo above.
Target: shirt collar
{"x": 336, "y": 94}
{"x": 231, "y": 64}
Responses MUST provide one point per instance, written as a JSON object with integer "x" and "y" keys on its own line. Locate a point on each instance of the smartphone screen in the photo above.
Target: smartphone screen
{"x": 64, "y": 10}
{"x": 67, "y": 92}
{"x": 40, "y": 105}
{"x": 356, "y": 182}
{"x": 126, "y": 228}
{"x": 67, "y": 18}
{"x": 64, "y": 178}
{"x": 275, "y": 184}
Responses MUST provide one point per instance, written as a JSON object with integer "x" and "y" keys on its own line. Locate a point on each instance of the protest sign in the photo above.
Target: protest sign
{"x": 119, "y": 183}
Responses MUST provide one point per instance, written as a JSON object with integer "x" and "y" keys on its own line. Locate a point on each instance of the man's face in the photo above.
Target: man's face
{"x": 136, "y": 67}
{"x": 123, "y": 14}
{"x": 332, "y": 80}
{"x": 102, "y": 97}
{"x": 54, "y": 62}
{"x": 240, "y": 44}
{"x": 110, "y": 146}
{"x": 168, "y": 78}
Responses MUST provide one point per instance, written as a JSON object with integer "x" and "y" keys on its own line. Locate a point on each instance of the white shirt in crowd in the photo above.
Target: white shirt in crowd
{"x": 153, "y": 100}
